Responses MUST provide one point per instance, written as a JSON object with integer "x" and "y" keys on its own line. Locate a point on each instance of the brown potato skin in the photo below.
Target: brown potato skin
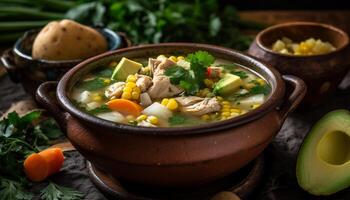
{"x": 67, "y": 40}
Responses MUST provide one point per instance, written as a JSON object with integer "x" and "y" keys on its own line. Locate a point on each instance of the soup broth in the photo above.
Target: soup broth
{"x": 168, "y": 91}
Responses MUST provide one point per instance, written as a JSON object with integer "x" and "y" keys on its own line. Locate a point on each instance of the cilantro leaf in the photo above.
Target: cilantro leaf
{"x": 10, "y": 190}
{"x": 177, "y": 74}
{"x": 260, "y": 89}
{"x": 93, "y": 84}
{"x": 101, "y": 109}
{"x": 56, "y": 192}
{"x": 191, "y": 80}
{"x": 180, "y": 120}
{"x": 201, "y": 58}
{"x": 241, "y": 74}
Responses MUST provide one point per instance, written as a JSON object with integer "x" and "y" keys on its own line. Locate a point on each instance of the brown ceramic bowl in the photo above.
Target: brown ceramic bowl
{"x": 22, "y": 68}
{"x": 321, "y": 73}
{"x": 173, "y": 157}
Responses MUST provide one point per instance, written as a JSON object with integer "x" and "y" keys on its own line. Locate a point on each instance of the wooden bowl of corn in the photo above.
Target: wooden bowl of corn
{"x": 317, "y": 53}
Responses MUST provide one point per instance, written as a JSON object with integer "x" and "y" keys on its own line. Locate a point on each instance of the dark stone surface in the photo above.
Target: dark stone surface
{"x": 280, "y": 181}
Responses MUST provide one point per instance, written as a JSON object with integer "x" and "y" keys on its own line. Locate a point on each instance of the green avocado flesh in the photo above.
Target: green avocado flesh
{"x": 323, "y": 164}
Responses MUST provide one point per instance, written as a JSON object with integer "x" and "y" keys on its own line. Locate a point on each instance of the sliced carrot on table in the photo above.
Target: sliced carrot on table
{"x": 55, "y": 158}
{"x": 124, "y": 106}
{"x": 36, "y": 167}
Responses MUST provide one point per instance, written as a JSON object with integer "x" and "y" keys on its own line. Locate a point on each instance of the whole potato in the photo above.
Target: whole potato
{"x": 67, "y": 40}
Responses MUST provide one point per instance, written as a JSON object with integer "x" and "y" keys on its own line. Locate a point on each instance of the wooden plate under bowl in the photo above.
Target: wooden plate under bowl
{"x": 242, "y": 183}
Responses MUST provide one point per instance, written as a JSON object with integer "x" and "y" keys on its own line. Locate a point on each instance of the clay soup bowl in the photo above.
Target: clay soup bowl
{"x": 172, "y": 157}
{"x": 321, "y": 73}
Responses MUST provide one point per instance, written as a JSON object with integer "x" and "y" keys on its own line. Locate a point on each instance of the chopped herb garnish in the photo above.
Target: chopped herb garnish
{"x": 228, "y": 67}
{"x": 257, "y": 89}
{"x": 93, "y": 84}
{"x": 105, "y": 73}
{"x": 177, "y": 74}
{"x": 260, "y": 89}
{"x": 101, "y": 109}
{"x": 191, "y": 80}
{"x": 180, "y": 120}
{"x": 241, "y": 74}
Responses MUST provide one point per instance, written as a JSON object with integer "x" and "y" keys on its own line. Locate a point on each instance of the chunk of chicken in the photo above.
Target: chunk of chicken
{"x": 162, "y": 88}
{"x": 189, "y": 100}
{"x": 158, "y": 66}
{"x": 143, "y": 82}
{"x": 115, "y": 90}
{"x": 161, "y": 84}
{"x": 198, "y": 106}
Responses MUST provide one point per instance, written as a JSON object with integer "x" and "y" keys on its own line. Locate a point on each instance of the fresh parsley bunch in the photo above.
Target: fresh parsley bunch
{"x": 20, "y": 137}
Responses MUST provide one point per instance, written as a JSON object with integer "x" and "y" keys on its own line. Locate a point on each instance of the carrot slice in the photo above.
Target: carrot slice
{"x": 125, "y": 107}
{"x": 36, "y": 167}
{"x": 55, "y": 159}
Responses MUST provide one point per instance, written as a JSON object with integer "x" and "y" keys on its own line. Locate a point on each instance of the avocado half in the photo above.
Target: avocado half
{"x": 323, "y": 164}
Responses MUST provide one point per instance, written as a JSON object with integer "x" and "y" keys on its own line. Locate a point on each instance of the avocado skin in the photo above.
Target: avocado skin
{"x": 315, "y": 175}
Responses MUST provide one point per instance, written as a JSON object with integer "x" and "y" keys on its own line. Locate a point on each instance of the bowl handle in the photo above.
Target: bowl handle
{"x": 46, "y": 97}
{"x": 297, "y": 93}
{"x": 7, "y": 62}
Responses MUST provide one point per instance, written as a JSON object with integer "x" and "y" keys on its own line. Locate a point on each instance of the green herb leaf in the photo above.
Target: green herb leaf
{"x": 11, "y": 190}
{"x": 101, "y": 109}
{"x": 180, "y": 120}
{"x": 94, "y": 84}
{"x": 200, "y": 58}
{"x": 177, "y": 120}
{"x": 241, "y": 74}
{"x": 260, "y": 89}
{"x": 55, "y": 192}
{"x": 176, "y": 74}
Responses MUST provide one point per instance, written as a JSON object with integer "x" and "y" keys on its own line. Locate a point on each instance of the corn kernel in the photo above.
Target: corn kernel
{"x": 255, "y": 106}
{"x": 130, "y": 117}
{"x": 219, "y": 98}
{"x": 248, "y": 86}
{"x": 225, "y": 114}
{"x": 127, "y": 89}
{"x": 261, "y": 81}
{"x": 113, "y": 64}
{"x": 225, "y": 110}
{"x": 223, "y": 118}
{"x": 234, "y": 115}
{"x": 107, "y": 81}
{"x": 226, "y": 107}
{"x": 152, "y": 120}
{"x": 126, "y": 95}
{"x": 146, "y": 69}
{"x": 141, "y": 118}
{"x": 180, "y": 58}
{"x": 209, "y": 83}
{"x": 172, "y": 104}
{"x": 226, "y": 103}
{"x": 131, "y": 78}
{"x": 130, "y": 84}
{"x": 161, "y": 57}
{"x": 205, "y": 117}
{"x": 165, "y": 102}
{"x": 173, "y": 58}
{"x": 235, "y": 110}
{"x": 135, "y": 95}
{"x": 97, "y": 98}
{"x": 136, "y": 89}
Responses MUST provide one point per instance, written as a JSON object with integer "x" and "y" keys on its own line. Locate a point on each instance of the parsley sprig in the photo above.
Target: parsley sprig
{"x": 191, "y": 80}
{"x": 20, "y": 137}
